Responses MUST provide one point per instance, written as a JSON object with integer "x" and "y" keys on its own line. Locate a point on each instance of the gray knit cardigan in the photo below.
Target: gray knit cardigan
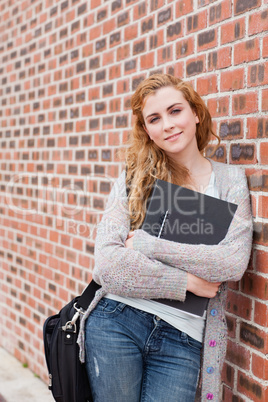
{"x": 157, "y": 268}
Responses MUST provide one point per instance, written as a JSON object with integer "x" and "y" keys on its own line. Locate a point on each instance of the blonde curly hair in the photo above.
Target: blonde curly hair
{"x": 145, "y": 161}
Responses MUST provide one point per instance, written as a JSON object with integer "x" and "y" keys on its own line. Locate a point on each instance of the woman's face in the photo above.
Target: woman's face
{"x": 171, "y": 123}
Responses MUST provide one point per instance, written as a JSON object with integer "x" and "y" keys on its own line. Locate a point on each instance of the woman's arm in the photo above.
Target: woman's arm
{"x": 127, "y": 272}
{"x": 196, "y": 285}
{"x": 225, "y": 261}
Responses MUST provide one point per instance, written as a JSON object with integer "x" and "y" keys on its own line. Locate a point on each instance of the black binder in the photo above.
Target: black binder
{"x": 178, "y": 214}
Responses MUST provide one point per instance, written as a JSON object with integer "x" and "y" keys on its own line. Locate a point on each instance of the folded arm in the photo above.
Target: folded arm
{"x": 127, "y": 272}
{"x": 222, "y": 262}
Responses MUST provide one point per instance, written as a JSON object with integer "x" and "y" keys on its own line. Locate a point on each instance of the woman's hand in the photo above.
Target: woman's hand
{"x": 201, "y": 287}
{"x": 129, "y": 240}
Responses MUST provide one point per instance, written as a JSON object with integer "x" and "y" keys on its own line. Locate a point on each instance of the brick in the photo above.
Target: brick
{"x": 95, "y": 32}
{"x": 231, "y": 129}
{"x": 123, "y": 19}
{"x": 247, "y": 51}
{"x": 243, "y": 153}
{"x": 264, "y": 153}
{"x": 164, "y": 54}
{"x": 265, "y": 46}
{"x": 258, "y": 180}
{"x": 207, "y": 85}
{"x": 123, "y": 52}
{"x": 260, "y": 366}
{"x": 220, "y": 12}
{"x": 241, "y": 6}
{"x": 183, "y": 7}
{"x": 258, "y": 22}
{"x": 164, "y": 16}
{"x": 254, "y": 337}
{"x": 115, "y": 72}
{"x": 239, "y": 305}
{"x": 251, "y": 388}
{"x": 130, "y": 32}
{"x": 156, "y": 40}
{"x": 108, "y": 57}
{"x": 141, "y": 10}
{"x": 228, "y": 376}
{"x": 116, "y": 5}
{"x": 87, "y": 50}
{"x": 264, "y": 99}
{"x": 207, "y": 39}
{"x": 257, "y": 127}
{"x": 147, "y": 25}
{"x": 184, "y": 47}
{"x": 258, "y": 74}
{"x": 127, "y": 103}
{"x": 238, "y": 355}
{"x": 102, "y": 14}
{"x": 197, "y": 22}
{"x": 109, "y": 26}
{"x": 229, "y": 395}
{"x": 115, "y": 38}
{"x": 139, "y": 46}
{"x": 232, "y": 80}
{"x": 100, "y": 44}
{"x": 261, "y": 314}
{"x": 156, "y": 4}
{"x": 244, "y": 104}
{"x": 179, "y": 69}
{"x": 218, "y": 154}
{"x": 95, "y": 4}
{"x": 122, "y": 86}
{"x": 220, "y": 59}
{"x": 261, "y": 257}
{"x": 174, "y": 31}
{"x": 147, "y": 61}
{"x": 195, "y": 66}
{"x": 218, "y": 106}
{"x": 231, "y": 325}
{"x": 255, "y": 285}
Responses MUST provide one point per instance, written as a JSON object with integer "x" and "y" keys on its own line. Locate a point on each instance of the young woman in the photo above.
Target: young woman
{"x": 138, "y": 349}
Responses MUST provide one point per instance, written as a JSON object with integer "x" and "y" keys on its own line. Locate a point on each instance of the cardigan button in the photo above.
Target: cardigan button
{"x": 210, "y": 370}
{"x": 212, "y": 343}
{"x": 214, "y": 312}
{"x": 209, "y": 396}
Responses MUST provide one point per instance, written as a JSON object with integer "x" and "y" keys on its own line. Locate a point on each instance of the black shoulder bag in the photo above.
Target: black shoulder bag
{"x": 68, "y": 379}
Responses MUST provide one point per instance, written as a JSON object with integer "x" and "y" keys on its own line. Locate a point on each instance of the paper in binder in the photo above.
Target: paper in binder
{"x": 182, "y": 215}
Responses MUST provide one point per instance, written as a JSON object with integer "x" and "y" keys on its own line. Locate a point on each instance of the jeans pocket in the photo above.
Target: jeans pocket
{"x": 193, "y": 343}
{"x": 108, "y": 308}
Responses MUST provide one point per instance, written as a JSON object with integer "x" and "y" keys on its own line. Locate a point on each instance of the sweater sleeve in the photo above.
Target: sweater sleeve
{"x": 128, "y": 272}
{"x": 222, "y": 262}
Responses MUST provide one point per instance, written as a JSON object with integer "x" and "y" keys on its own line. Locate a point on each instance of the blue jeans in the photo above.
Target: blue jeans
{"x": 133, "y": 356}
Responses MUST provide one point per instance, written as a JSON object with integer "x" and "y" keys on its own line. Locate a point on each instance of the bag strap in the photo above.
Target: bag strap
{"x": 88, "y": 295}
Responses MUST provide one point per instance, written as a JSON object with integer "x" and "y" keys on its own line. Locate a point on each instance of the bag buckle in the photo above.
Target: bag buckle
{"x": 71, "y": 325}
{"x": 79, "y": 310}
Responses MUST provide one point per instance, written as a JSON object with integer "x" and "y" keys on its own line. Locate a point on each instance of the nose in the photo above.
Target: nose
{"x": 167, "y": 123}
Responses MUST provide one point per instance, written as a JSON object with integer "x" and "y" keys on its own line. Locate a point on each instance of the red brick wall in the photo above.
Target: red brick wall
{"x": 67, "y": 71}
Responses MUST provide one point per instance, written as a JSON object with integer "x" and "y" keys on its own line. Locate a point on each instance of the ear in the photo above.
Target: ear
{"x": 196, "y": 118}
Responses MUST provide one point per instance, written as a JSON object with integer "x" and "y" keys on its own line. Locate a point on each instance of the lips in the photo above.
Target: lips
{"x": 173, "y": 137}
